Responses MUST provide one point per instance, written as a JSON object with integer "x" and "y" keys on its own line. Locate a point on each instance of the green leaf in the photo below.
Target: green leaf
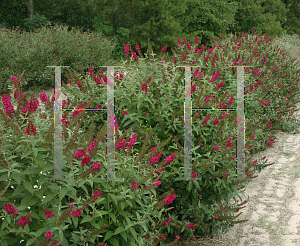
{"x": 8, "y": 219}
{"x": 114, "y": 241}
{"x": 17, "y": 191}
{"x": 124, "y": 235}
{"x": 144, "y": 226}
{"x": 100, "y": 199}
{"x": 54, "y": 187}
{"x": 4, "y": 223}
{"x": 139, "y": 202}
{"x": 123, "y": 103}
{"x": 189, "y": 186}
{"x": 28, "y": 186}
{"x": 86, "y": 219}
{"x": 26, "y": 154}
{"x": 81, "y": 182}
{"x": 91, "y": 182}
{"x": 133, "y": 233}
{"x": 75, "y": 220}
{"x": 35, "y": 152}
{"x": 39, "y": 161}
{"x": 113, "y": 217}
{"x": 182, "y": 229}
{"x": 85, "y": 189}
{"x": 4, "y": 243}
{"x": 33, "y": 143}
{"x": 34, "y": 215}
{"x": 63, "y": 192}
{"x": 214, "y": 229}
{"x": 42, "y": 180}
{"x": 48, "y": 198}
{"x": 39, "y": 194}
{"x": 97, "y": 226}
{"x": 139, "y": 104}
{"x": 3, "y": 170}
{"x": 128, "y": 226}
{"x": 129, "y": 202}
{"x": 29, "y": 200}
{"x": 101, "y": 212}
{"x": 137, "y": 215}
{"x": 196, "y": 184}
{"x": 39, "y": 232}
{"x": 29, "y": 171}
{"x": 30, "y": 241}
{"x": 124, "y": 213}
{"x": 185, "y": 196}
{"x": 119, "y": 230}
{"x": 12, "y": 157}
{"x": 127, "y": 123}
{"x": 132, "y": 243}
{"x": 114, "y": 198}
{"x": 123, "y": 205}
{"x": 108, "y": 235}
{"x": 16, "y": 177}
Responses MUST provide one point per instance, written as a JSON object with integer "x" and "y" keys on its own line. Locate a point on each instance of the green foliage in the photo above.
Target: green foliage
{"x": 250, "y": 14}
{"x": 12, "y": 12}
{"x": 197, "y": 201}
{"x": 26, "y": 51}
{"x": 292, "y": 21}
{"x": 70, "y": 13}
{"x": 163, "y": 21}
{"x": 277, "y": 8}
{"x": 291, "y": 44}
{"x": 125, "y": 211}
{"x": 208, "y": 18}
{"x": 161, "y": 24}
{"x": 216, "y": 189}
{"x": 36, "y": 22}
{"x": 100, "y": 24}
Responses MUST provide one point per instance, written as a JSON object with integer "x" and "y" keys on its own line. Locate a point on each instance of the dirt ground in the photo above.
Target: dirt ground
{"x": 273, "y": 207}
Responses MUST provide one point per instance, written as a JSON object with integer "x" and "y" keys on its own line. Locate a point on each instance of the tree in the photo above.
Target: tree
{"x": 12, "y": 12}
{"x": 30, "y": 9}
{"x": 292, "y": 22}
{"x": 251, "y": 14}
{"x": 209, "y": 18}
{"x": 76, "y": 13}
{"x": 288, "y": 12}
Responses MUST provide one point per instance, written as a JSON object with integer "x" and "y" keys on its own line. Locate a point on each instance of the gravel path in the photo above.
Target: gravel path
{"x": 273, "y": 207}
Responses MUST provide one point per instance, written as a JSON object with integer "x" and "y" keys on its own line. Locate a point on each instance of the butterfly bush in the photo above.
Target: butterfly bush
{"x": 85, "y": 154}
{"x": 198, "y": 192}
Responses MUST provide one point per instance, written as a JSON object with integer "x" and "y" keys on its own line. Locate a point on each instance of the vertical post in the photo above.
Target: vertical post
{"x": 240, "y": 125}
{"x": 240, "y": 144}
{"x": 111, "y": 124}
{"x": 187, "y": 126}
{"x": 30, "y": 9}
{"x": 58, "y": 156}
{"x": 240, "y": 154}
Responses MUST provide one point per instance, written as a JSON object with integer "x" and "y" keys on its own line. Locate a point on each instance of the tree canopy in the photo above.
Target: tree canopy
{"x": 163, "y": 21}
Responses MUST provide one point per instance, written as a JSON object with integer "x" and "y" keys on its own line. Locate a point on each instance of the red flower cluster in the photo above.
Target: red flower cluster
{"x": 10, "y": 209}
